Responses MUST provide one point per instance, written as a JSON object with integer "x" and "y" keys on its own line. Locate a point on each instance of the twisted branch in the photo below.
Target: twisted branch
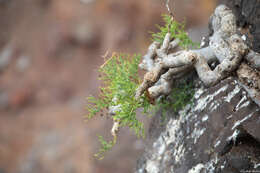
{"x": 225, "y": 46}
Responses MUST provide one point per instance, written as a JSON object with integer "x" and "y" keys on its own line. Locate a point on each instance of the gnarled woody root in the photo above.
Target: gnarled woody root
{"x": 225, "y": 46}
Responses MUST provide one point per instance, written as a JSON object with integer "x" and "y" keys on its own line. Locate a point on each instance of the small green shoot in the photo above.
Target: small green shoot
{"x": 177, "y": 31}
{"x": 105, "y": 146}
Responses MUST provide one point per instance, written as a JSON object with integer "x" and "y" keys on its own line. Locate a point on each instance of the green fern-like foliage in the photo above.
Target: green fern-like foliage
{"x": 120, "y": 80}
{"x": 105, "y": 146}
{"x": 176, "y": 29}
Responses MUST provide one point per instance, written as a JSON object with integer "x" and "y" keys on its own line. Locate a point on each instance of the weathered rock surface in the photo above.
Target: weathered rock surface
{"x": 248, "y": 16}
{"x": 220, "y": 132}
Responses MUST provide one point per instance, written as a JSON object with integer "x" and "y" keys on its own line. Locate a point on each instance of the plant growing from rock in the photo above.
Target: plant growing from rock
{"x": 225, "y": 47}
{"x": 120, "y": 78}
{"x": 123, "y": 93}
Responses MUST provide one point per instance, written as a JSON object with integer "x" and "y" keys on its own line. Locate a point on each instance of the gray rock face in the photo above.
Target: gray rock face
{"x": 219, "y": 132}
{"x": 248, "y": 16}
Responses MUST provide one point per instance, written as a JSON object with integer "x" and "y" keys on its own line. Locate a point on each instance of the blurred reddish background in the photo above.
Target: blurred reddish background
{"x": 50, "y": 51}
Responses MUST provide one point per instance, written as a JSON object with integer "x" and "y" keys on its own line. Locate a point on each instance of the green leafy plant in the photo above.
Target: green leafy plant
{"x": 120, "y": 79}
{"x": 177, "y": 31}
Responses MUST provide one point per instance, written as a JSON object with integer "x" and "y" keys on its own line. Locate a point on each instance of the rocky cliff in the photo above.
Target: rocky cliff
{"x": 219, "y": 132}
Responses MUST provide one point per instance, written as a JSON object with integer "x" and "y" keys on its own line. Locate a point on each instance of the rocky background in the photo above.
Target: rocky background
{"x": 50, "y": 51}
{"x": 220, "y": 131}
